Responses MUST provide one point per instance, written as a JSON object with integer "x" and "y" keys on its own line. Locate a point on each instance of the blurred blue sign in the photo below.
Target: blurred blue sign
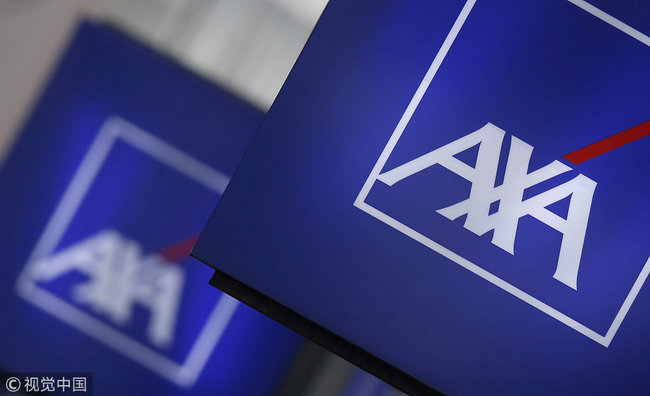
{"x": 461, "y": 190}
{"x": 363, "y": 384}
{"x": 112, "y": 179}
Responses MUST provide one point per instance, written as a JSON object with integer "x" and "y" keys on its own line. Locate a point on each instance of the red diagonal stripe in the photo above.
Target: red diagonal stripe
{"x": 179, "y": 251}
{"x": 609, "y": 144}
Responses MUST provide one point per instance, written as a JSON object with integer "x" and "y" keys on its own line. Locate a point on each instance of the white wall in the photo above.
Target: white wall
{"x": 248, "y": 46}
{"x": 32, "y": 33}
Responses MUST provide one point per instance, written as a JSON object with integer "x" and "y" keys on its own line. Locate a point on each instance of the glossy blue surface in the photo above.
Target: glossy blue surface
{"x": 547, "y": 72}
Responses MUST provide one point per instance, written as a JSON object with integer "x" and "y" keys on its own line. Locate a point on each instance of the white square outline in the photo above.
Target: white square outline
{"x": 401, "y": 126}
{"x": 114, "y": 128}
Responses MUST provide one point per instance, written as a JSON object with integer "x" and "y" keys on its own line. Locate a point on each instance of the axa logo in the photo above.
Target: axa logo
{"x": 559, "y": 262}
{"x": 509, "y": 196}
{"x": 113, "y": 285}
{"x": 119, "y": 276}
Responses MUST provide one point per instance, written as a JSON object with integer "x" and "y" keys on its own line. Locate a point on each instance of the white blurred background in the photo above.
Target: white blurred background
{"x": 247, "y": 46}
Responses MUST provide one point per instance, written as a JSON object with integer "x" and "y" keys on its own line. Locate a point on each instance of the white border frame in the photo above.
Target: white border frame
{"x": 360, "y": 203}
{"x": 183, "y": 374}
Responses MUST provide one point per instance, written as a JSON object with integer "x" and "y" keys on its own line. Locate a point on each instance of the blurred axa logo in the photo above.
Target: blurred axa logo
{"x": 119, "y": 276}
{"x": 109, "y": 264}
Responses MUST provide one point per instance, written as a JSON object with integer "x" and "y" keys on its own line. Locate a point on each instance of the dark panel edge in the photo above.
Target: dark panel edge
{"x": 321, "y": 336}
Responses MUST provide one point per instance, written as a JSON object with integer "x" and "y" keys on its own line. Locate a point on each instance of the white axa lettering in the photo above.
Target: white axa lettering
{"x": 119, "y": 276}
{"x": 509, "y": 195}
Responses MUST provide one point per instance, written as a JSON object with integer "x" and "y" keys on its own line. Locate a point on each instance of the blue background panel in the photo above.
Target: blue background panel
{"x": 103, "y": 75}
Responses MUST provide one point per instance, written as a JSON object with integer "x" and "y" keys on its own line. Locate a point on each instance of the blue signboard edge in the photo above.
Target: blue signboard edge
{"x": 319, "y": 335}
{"x": 300, "y": 324}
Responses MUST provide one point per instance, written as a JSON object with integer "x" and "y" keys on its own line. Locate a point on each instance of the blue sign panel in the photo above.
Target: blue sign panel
{"x": 112, "y": 180}
{"x": 460, "y": 189}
